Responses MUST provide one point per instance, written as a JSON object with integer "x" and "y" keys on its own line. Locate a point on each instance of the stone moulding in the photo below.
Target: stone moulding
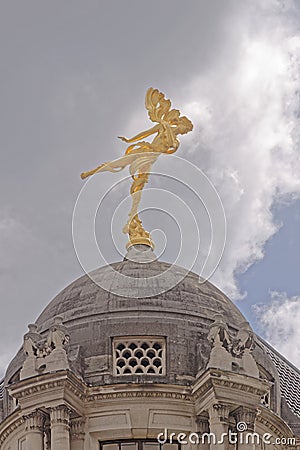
{"x": 50, "y": 381}
{"x": 216, "y": 378}
{"x": 65, "y": 382}
{"x": 139, "y": 394}
{"x": 12, "y": 423}
{"x": 274, "y": 423}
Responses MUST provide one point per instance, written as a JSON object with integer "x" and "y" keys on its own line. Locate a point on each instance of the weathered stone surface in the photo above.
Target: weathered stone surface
{"x": 183, "y": 314}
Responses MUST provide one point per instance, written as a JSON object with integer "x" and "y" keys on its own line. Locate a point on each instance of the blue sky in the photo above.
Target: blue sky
{"x": 279, "y": 269}
{"x": 277, "y": 272}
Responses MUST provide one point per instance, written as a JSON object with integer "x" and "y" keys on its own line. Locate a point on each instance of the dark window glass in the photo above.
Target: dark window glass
{"x": 110, "y": 447}
{"x": 129, "y": 446}
{"x": 138, "y": 444}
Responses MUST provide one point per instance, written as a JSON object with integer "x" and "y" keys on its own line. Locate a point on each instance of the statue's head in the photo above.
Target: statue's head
{"x": 184, "y": 125}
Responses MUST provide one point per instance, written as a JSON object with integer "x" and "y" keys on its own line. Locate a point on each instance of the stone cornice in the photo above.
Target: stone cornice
{"x": 273, "y": 422}
{"x": 68, "y": 382}
{"x": 65, "y": 380}
{"x": 62, "y": 379}
{"x": 218, "y": 378}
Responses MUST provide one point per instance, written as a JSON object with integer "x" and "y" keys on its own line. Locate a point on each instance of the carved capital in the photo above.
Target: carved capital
{"x": 77, "y": 428}
{"x": 35, "y": 421}
{"x": 220, "y": 411}
{"x": 202, "y": 424}
{"x": 246, "y": 418}
{"x": 60, "y": 415}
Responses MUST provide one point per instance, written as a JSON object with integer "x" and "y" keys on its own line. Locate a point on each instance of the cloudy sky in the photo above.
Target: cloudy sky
{"x": 73, "y": 77}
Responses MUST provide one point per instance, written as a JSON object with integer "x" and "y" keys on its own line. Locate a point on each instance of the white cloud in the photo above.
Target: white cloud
{"x": 247, "y": 132}
{"x": 279, "y": 323}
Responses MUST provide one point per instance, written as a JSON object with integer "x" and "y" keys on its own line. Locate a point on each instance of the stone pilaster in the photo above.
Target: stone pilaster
{"x": 34, "y": 428}
{"x": 60, "y": 427}
{"x": 218, "y": 425}
{"x": 77, "y": 433}
{"x": 203, "y": 430}
{"x": 245, "y": 428}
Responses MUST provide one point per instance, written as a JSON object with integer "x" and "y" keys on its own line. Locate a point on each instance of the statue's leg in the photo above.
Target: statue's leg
{"x": 140, "y": 147}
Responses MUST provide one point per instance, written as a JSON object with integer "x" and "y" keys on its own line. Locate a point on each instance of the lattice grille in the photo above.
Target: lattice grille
{"x": 139, "y": 356}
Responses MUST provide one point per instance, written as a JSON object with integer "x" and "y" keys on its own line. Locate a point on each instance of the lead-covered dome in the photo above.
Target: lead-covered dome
{"x": 177, "y": 319}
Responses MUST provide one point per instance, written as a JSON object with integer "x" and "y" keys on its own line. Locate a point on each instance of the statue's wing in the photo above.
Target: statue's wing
{"x": 157, "y": 105}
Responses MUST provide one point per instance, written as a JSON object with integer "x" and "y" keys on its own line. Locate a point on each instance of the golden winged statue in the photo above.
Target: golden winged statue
{"x": 141, "y": 155}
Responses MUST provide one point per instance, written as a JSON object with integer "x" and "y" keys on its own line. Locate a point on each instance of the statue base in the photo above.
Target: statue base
{"x": 140, "y": 241}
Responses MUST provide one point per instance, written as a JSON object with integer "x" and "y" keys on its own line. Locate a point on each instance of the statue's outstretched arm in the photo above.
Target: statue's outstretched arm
{"x": 141, "y": 135}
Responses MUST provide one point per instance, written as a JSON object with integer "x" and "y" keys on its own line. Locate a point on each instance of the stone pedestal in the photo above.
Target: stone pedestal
{"x": 249, "y": 364}
{"x": 34, "y": 427}
{"x": 28, "y": 370}
{"x": 219, "y": 358}
{"x": 60, "y": 428}
{"x": 56, "y": 360}
{"x": 218, "y": 425}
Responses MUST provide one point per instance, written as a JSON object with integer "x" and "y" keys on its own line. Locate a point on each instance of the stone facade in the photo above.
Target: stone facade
{"x": 97, "y": 367}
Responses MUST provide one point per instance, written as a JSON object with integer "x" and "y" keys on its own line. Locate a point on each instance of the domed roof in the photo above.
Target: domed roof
{"x": 181, "y": 310}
